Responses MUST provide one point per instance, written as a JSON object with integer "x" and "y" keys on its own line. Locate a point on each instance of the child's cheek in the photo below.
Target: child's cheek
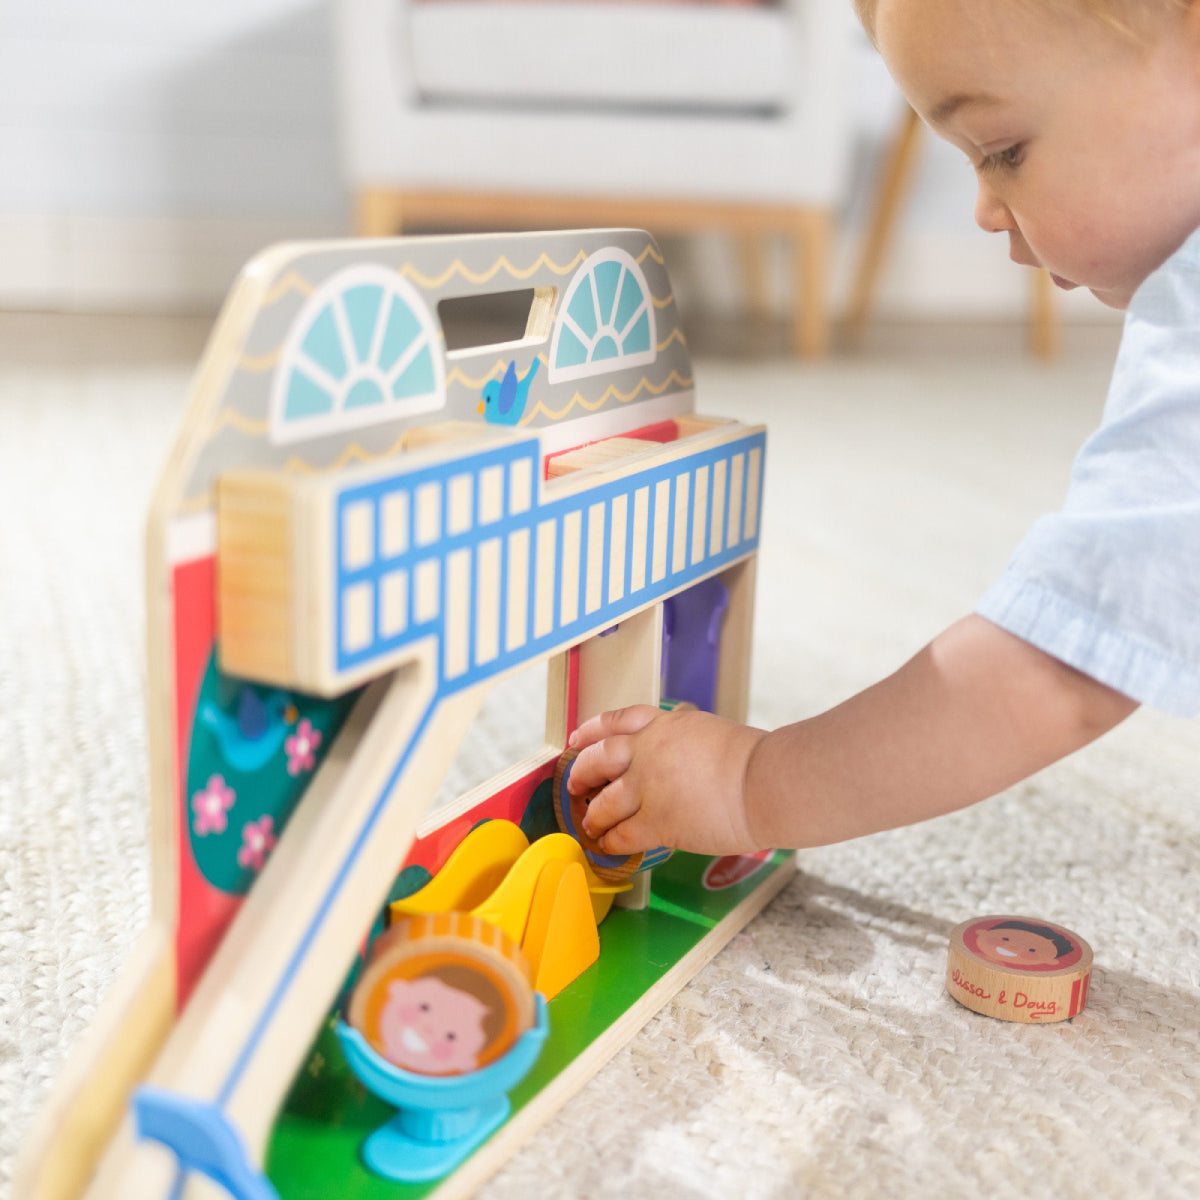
{"x": 443, "y": 1050}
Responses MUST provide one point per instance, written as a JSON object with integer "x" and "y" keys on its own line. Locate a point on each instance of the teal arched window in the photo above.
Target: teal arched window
{"x": 363, "y": 349}
{"x": 605, "y": 321}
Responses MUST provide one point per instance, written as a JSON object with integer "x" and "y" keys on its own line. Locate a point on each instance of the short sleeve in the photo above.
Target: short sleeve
{"x": 1111, "y": 583}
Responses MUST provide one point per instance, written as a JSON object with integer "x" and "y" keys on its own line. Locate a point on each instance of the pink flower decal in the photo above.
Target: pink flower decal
{"x": 210, "y": 806}
{"x": 258, "y": 839}
{"x": 300, "y": 748}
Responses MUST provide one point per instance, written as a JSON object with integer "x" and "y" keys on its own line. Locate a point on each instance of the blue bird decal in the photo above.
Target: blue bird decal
{"x": 248, "y": 738}
{"x": 504, "y": 399}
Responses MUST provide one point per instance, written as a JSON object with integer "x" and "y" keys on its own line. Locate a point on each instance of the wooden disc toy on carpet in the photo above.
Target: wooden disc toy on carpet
{"x": 569, "y": 812}
{"x": 1019, "y": 969}
{"x": 443, "y": 994}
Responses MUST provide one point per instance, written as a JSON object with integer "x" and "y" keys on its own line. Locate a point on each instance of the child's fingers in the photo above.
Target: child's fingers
{"x": 616, "y": 803}
{"x": 600, "y": 763}
{"x": 627, "y": 838}
{"x": 616, "y": 720}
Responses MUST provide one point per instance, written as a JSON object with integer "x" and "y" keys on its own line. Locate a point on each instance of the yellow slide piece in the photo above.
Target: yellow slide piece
{"x": 475, "y": 869}
{"x": 561, "y": 940}
{"x": 508, "y": 906}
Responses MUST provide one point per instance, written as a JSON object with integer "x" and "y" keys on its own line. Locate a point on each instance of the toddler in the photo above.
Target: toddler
{"x": 1081, "y": 119}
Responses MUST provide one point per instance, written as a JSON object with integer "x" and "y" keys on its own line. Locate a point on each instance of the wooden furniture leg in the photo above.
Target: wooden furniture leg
{"x": 897, "y": 173}
{"x": 378, "y": 212}
{"x": 751, "y": 253}
{"x": 1043, "y": 326}
{"x": 810, "y": 258}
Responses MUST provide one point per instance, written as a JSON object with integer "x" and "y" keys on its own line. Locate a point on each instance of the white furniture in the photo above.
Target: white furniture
{"x": 675, "y": 116}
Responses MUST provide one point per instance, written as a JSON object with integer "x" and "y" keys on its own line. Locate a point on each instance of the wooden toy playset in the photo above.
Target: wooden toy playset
{"x": 363, "y": 526}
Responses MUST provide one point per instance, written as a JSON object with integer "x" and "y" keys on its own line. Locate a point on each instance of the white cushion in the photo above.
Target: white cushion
{"x": 665, "y": 55}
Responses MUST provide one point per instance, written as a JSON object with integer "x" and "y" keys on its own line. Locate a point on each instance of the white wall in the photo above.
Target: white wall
{"x": 148, "y": 147}
{"x": 174, "y": 136}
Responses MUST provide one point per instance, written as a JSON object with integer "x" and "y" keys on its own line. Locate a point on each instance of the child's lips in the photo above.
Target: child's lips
{"x": 1060, "y": 282}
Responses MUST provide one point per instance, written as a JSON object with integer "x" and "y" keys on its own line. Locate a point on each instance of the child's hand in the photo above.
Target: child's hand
{"x": 669, "y": 779}
{"x": 969, "y": 715}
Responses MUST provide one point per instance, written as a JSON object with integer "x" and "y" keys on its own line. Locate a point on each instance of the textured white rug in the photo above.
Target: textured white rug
{"x": 819, "y": 1055}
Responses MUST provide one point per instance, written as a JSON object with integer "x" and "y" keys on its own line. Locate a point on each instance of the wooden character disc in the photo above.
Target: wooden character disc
{"x": 569, "y": 812}
{"x": 443, "y": 994}
{"x": 1019, "y": 969}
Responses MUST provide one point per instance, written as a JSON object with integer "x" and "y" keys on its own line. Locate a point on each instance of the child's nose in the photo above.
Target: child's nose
{"x": 991, "y": 214}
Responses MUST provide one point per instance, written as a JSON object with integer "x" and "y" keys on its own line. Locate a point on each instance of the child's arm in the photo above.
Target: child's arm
{"x": 972, "y": 713}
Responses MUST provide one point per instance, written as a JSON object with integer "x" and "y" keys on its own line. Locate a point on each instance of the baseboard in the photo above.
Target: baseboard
{"x": 182, "y": 264}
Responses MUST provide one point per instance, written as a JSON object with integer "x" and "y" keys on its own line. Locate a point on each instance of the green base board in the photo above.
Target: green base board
{"x": 314, "y": 1148}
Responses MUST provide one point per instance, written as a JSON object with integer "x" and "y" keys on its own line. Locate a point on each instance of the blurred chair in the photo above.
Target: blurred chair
{"x": 679, "y": 117}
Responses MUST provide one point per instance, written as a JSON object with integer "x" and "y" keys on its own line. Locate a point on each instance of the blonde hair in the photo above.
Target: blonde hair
{"x": 1125, "y": 16}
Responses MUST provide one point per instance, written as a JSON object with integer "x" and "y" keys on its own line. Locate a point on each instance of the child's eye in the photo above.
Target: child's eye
{"x": 1009, "y": 158}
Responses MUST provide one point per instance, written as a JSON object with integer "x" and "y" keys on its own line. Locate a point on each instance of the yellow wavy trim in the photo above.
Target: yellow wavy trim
{"x": 458, "y": 375}
{"x": 259, "y": 363}
{"x": 577, "y": 400}
{"x": 502, "y": 263}
{"x": 292, "y": 281}
{"x": 237, "y": 420}
{"x": 670, "y": 299}
{"x": 206, "y": 501}
{"x": 297, "y": 466}
{"x": 352, "y": 453}
{"x": 676, "y": 336}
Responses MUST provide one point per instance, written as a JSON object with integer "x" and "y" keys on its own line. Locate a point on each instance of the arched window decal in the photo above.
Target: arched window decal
{"x": 606, "y": 321}
{"x": 363, "y": 349}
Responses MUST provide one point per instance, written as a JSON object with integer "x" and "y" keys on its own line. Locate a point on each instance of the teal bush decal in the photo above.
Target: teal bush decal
{"x": 253, "y": 753}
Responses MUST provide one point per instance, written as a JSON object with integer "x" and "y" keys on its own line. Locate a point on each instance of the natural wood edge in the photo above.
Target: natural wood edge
{"x": 91, "y": 1095}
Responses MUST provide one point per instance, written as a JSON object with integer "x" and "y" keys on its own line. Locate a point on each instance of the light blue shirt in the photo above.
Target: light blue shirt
{"x": 1111, "y": 584}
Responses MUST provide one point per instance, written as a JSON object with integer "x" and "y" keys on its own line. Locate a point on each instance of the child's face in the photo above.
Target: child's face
{"x": 1086, "y": 143}
{"x": 1016, "y": 948}
{"x": 431, "y": 1028}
